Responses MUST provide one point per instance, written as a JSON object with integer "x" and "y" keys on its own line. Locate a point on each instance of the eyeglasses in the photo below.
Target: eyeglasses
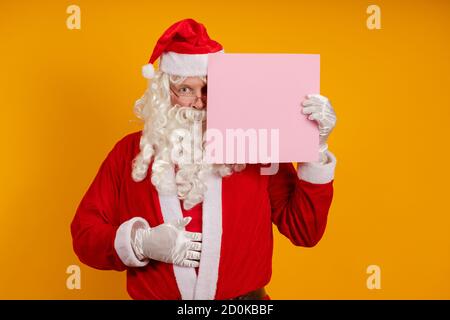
{"x": 189, "y": 97}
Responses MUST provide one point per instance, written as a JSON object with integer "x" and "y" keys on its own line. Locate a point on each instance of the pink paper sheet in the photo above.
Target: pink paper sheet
{"x": 261, "y": 93}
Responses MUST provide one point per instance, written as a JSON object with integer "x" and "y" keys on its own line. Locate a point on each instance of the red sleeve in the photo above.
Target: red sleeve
{"x": 95, "y": 223}
{"x": 299, "y": 208}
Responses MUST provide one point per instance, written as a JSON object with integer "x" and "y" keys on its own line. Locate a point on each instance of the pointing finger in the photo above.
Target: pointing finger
{"x": 182, "y": 222}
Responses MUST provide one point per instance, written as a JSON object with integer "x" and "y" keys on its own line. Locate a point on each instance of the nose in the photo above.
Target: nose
{"x": 198, "y": 103}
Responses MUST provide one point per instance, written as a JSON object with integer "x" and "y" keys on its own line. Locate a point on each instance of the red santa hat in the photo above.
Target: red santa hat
{"x": 183, "y": 50}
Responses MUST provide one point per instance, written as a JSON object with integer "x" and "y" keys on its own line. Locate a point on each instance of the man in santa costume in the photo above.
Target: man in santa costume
{"x": 192, "y": 230}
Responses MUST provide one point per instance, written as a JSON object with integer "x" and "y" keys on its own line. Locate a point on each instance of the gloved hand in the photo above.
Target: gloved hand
{"x": 169, "y": 243}
{"x": 319, "y": 108}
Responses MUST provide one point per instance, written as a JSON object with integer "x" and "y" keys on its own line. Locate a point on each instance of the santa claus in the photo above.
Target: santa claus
{"x": 188, "y": 229}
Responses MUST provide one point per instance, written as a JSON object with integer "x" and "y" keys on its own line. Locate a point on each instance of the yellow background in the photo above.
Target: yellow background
{"x": 67, "y": 96}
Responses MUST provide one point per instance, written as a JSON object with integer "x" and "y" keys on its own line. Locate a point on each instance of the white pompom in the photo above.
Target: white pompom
{"x": 148, "y": 71}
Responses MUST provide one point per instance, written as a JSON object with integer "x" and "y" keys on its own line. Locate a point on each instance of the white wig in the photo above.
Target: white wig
{"x": 161, "y": 120}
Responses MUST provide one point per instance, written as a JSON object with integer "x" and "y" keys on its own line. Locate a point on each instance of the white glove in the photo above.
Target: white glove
{"x": 169, "y": 243}
{"x": 319, "y": 108}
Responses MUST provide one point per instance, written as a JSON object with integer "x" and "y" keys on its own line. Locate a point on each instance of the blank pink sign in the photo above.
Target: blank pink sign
{"x": 254, "y": 108}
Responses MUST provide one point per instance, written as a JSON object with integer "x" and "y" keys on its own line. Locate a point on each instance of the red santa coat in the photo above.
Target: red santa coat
{"x": 237, "y": 217}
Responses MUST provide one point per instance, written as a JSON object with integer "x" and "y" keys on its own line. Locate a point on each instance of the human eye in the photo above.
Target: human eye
{"x": 185, "y": 90}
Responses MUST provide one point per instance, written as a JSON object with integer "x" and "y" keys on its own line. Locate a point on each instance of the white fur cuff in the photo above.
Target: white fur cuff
{"x": 122, "y": 242}
{"x": 315, "y": 172}
{"x": 185, "y": 64}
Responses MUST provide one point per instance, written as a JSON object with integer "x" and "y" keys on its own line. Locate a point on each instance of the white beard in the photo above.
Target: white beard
{"x": 186, "y": 128}
{"x": 181, "y": 153}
